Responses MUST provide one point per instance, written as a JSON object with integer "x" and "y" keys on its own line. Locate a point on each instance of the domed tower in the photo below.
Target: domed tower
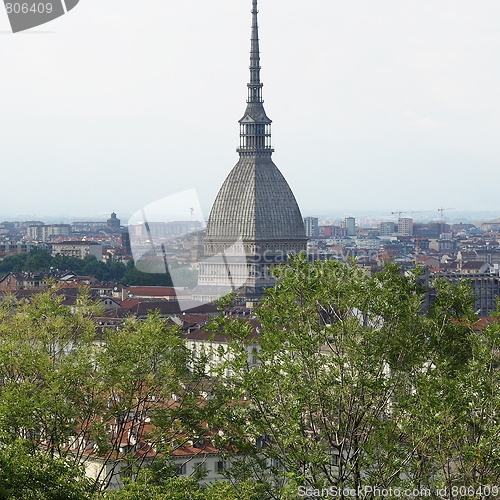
{"x": 255, "y": 221}
{"x": 113, "y": 222}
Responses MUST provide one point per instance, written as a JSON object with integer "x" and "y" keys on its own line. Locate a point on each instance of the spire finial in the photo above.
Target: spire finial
{"x": 254, "y": 50}
{"x": 255, "y": 126}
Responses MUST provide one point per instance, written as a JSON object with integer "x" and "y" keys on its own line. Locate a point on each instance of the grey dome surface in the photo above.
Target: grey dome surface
{"x": 255, "y": 203}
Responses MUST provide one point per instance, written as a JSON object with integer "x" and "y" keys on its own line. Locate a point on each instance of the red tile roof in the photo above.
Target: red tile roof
{"x": 152, "y": 291}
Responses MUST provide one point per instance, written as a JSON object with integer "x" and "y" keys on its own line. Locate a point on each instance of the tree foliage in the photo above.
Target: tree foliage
{"x": 356, "y": 387}
{"x": 161, "y": 483}
{"x": 40, "y": 260}
{"x": 355, "y": 383}
{"x": 26, "y": 475}
{"x": 70, "y": 394}
{"x": 134, "y": 277}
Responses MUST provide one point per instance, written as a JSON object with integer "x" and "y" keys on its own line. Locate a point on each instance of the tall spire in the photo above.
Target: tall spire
{"x": 255, "y": 126}
{"x": 255, "y": 60}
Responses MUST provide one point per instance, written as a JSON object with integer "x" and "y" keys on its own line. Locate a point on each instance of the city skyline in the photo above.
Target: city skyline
{"x": 376, "y": 108}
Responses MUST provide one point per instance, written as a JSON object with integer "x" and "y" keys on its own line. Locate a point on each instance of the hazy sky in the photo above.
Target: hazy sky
{"x": 376, "y": 105}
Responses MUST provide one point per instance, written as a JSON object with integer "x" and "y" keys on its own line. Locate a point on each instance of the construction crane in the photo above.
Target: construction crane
{"x": 442, "y": 217}
{"x": 399, "y": 212}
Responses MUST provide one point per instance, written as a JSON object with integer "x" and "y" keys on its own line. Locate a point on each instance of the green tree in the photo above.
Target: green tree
{"x": 160, "y": 482}
{"x": 155, "y": 391}
{"x": 38, "y": 260}
{"x": 134, "y": 277}
{"x": 27, "y": 475}
{"x": 114, "y": 271}
{"x": 89, "y": 265}
{"x": 454, "y": 428}
{"x": 65, "y": 263}
{"x": 50, "y": 392}
{"x": 13, "y": 263}
{"x": 354, "y": 386}
{"x": 66, "y": 391}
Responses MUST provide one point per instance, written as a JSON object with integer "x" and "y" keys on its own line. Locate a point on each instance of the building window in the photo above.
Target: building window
{"x": 200, "y": 466}
{"x": 220, "y": 467}
{"x": 182, "y": 470}
{"x": 254, "y": 356}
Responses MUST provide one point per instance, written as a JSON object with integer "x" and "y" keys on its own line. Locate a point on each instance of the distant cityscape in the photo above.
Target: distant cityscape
{"x": 145, "y": 276}
{"x": 453, "y": 250}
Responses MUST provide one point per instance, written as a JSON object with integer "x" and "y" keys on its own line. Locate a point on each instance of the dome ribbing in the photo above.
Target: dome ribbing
{"x": 255, "y": 203}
